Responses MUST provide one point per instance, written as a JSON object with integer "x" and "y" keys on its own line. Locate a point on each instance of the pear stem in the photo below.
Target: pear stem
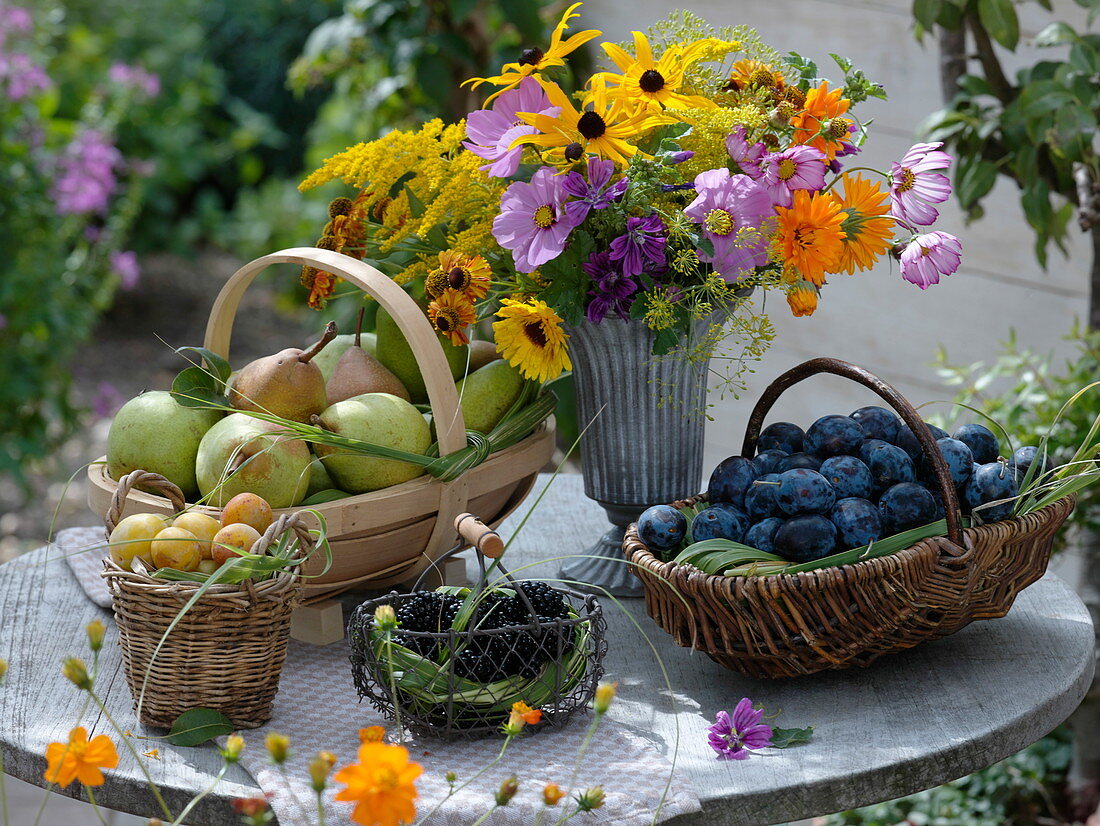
{"x": 359, "y": 327}
{"x": 326, "y": 337}
{"x": 315, "y": 420}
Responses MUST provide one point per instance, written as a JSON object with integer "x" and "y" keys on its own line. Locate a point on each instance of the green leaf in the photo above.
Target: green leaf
{"x": 198, "y": 726}
{"x": 215, "y": 363}
{"x": 786, "y": 737}
{"x": 330, "y": 495}
{"x": 926, "y": 12}
{"x": 195, "y": 387}
{"x": 524, "y": 15}
{"x": 1000, "y": 20}
{"x": 1056, "y": 34}
{"x": 974, "y": 180}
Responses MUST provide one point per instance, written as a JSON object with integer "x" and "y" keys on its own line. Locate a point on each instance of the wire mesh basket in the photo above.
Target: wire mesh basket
{"x": 545, "y": 649}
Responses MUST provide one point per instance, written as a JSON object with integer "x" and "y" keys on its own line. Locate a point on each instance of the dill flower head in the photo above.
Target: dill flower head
{"x": 868, "y": 228}
{"x": 709, "y": 130}
{"x": 529, "y": 336}
{"x": 382, "y": 785}
{"x": 809, "y": 236}
{"x": 80, "y": 759}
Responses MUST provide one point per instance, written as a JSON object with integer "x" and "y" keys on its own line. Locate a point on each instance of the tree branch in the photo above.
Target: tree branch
{"x": 1088, "y": 197}
{"x": 991, "y": 65}
{"x": 952, "y": 60}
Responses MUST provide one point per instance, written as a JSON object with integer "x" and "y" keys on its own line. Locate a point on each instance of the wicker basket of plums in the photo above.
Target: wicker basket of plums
{"x": 860, "y": 536}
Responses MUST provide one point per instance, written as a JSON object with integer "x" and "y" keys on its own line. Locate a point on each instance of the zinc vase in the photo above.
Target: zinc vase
{"x": 645, "y": 420}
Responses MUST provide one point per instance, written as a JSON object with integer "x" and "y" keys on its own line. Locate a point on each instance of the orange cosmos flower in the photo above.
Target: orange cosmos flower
{"x": 381, "y": 785}
{"x": 820, "y": 108}
{"x": 803, "y": 299}
{"x": 451, "y": 313}
{"x": 868, "y": 229}
{"x": 80, "y": 759}
{"x": 809, "y": 236}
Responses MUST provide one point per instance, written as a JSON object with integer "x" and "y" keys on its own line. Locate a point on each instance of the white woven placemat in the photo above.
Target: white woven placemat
{"x": 318, "y": 709}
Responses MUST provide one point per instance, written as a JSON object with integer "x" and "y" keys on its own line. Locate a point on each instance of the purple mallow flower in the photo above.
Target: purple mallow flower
{"x": 643, "y": 242}
{"x": 732, "y": 737}
{"x": 597, "y": 192}
{"x": 612, "y": 289}
{"x": 86, "y": 174}
{"x": 492, "y": 131}
{"x": 533, "y": 223}
{"x": 747, "y": 156}
{"x": 725, "y": 205}
{"x": 917, "y": 182}
{"x": 927, "y": 257}
{"x": 798, "y": 167}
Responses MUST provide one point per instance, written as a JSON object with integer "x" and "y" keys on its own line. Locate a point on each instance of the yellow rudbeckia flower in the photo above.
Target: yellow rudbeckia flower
{"x": 535, "y": 60}
{"x": 654, "y": 84}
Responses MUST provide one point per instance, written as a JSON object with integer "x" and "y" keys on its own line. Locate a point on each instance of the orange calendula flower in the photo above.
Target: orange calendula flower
{"x": 530, "y": 716}
{"x": 602, "y": 126}
{"x": 535, "y": 60}
{"x": 809, "y": 236}
{"x": 868, "y": 227}
{"x": 530, "y": 337}
{"x": 80, "y": 759}
{"x": 822, "y": 105}
{"x": 451, "y": 313}
{"x": 382, "y": 785}
{"x": 803, "y": 299}
{"x": 653, "y": 84}
{"x": 469, "y": 274}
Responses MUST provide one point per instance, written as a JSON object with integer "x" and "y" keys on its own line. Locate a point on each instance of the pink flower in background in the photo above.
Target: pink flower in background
{"x": 533, "y": 223}
{"x": 799, "y": 167}
{"x": 86, "y": 174}
{"x": 20, "y": 77}
{"x": 745, "y": 156}
{"x": 917, "y": 182}
{"x": 14, "y": 19}
{"x": 136, "y": 78}
{"x": 3, "y": 322}
{"x": 726, "y": 205}
{"x": 492, "y": 131}
{"x": 107, "y": 400}
{"x": 927, "y": 257}
{"x": 732, "y": 736}
{"x": 125, "y": 265}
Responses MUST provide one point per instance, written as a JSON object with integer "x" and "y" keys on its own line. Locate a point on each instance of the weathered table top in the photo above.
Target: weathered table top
{"x": 909, "y": 722}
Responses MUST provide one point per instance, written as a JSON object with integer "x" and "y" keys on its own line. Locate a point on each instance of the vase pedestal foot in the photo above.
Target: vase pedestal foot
{"x": 603, "y": 569}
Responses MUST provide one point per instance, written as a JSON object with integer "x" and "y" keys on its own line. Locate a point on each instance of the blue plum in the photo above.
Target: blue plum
{"x": 781, "y": 436}
{"x": 805, "y": 538}
{"x": 959, "y": 458}
{"x": 833, "y": 436}
{"x": 762, "y": 535}
{"x": 889, "y": 465}
{"x": 848, "y": 476}
{"x": 908, "y": 442}
{"x": 766, "y": 461}
{"x": 720, "y": 521}
{"x": 804, "y": 491}
{"x": 797, "y": 460}
{"x": 729, "y": 480}
{"x": 857, "y": 522}
{"x": 906, "y": 505}
{"x": 1022, "y": 460}
{"x": 969, "y": 498}
{"x": 992, "y": 482}
{"x": 981, "y": 441}
{"x": 877, "y": 423}
{"x": 662, "y": 527}
{"x": 869, "y": 445}
{"x": 760, "y": 497}
{"x": 937, "y": 432}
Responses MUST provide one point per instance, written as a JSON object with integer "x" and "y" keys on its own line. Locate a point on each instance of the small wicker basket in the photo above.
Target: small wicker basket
{"x": 786, "y": 625}
{"x": 226, "y": 653}
{"x": 575, "y": 646}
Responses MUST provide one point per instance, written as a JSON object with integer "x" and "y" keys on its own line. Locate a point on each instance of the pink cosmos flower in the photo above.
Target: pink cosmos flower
{"x": 927, "y": 257}
{"x": 533, "y": 223}
{"x": 798, "y": 167}
{"x": 492, "y": 131}
{"x": 724, "y": 205}
{"x": 732, "y": 737}
{"x": 745, "y": 156}
{"x": 917, "y": 182}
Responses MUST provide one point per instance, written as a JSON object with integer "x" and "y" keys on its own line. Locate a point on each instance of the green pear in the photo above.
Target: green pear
{"x": 319, "y": 479}
{"x": 380, "y": 419}
{"x": 327, "y": 358}
{"x": 286, "y": 384}
{"x": 486, "y": 394}
{"x": 154, "y": 432}
{"x": 481, "y": 353}
{"x": 243, "y": 454}
{"x": 395, "y": 354}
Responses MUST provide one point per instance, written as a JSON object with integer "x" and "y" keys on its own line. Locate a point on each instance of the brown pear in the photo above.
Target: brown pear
{"x": 287, "y": 384}
{"x": 481, "y": 353}
{"x": 358, "y": 372}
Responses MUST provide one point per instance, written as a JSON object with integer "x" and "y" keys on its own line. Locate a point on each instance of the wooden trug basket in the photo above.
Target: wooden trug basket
{"x": 786, "y": 625}
{"x": 226, "y": 652}
{"x": 391, "y": 535}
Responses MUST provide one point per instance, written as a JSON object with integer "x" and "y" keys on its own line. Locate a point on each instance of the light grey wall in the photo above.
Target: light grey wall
{"x": 874, "y": 318}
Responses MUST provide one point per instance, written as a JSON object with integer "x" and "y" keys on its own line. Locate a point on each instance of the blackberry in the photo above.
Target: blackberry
{"x": 483, "y": 659}
{"x": 546, "y": 601}
{"x": 425, "y": 611}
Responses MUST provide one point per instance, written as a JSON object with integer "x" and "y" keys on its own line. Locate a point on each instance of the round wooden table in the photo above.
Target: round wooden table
{"x": 909, "y": 722}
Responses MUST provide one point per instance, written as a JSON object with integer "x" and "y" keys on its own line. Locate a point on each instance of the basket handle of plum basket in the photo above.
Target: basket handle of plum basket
{"x": 130, "y": 481}
{"x": 892, "y": 397}
{"x": 418, "y": 332}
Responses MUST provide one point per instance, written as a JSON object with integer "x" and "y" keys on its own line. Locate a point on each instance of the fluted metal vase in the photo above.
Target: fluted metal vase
{"x": 643, "y": 445}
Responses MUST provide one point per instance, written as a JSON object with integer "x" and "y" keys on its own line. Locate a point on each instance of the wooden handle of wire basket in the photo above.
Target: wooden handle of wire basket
{"x": 892, "y": 397}
{"x": 283, "y": 523}
{"x": 481, "y": 536}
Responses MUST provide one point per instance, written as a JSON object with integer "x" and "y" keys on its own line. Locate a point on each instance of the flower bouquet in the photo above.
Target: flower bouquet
{"x": 618, "y": 226}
